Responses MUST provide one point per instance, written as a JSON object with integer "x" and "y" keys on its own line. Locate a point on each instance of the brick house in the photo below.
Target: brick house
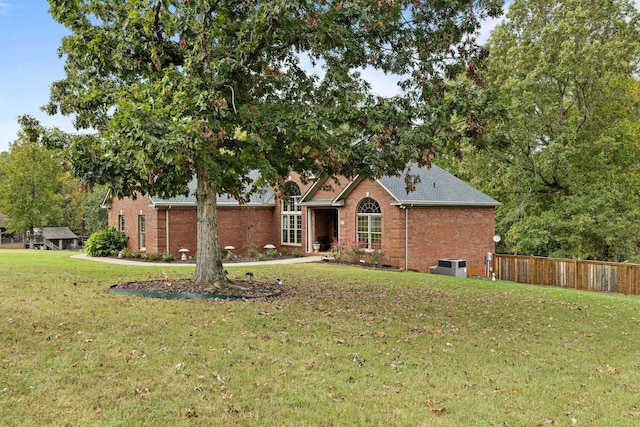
{"x": 443, "y": 217}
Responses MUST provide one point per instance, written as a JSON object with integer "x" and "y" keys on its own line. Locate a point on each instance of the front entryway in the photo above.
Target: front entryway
{"x": 324, "y": 227}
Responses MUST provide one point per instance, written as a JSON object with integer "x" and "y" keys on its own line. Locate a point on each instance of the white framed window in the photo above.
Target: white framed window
{"x": 369, "y": 224}
{"x": 120, "y": 222}
{"x": 291, "y": 218}
{"x": 142, "y": 232}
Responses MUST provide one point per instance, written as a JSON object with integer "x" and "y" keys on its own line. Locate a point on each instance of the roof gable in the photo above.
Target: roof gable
{"x": 323, "y": 192}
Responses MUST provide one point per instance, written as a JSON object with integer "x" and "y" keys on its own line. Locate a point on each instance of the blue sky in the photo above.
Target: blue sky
{"x": 29, "y": 64}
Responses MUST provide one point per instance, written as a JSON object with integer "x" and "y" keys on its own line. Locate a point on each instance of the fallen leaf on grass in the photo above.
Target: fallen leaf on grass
{"x": 335, "y": 399}
{"x": 431, "y": 405}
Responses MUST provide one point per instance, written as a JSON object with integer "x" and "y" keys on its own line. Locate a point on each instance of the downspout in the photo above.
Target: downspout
{"x": 166, "y": 224}
{"x": 406, "y": 237}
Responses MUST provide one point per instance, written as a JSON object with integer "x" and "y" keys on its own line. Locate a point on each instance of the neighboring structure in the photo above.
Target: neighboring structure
{"x": 443, "y": 217}
{"x": 3, "y": 228}
{"x": 56, "y": 238}
{"x": 7, "y": 238}
{"x": 46, "y": 238}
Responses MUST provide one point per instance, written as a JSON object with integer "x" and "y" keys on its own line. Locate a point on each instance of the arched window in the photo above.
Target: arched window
{"x": 291, "y": 215}
{"x": 369, "y": 224}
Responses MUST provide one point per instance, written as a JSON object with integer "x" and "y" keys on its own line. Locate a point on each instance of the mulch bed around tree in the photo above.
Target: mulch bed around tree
{"x": 254, "y": 289}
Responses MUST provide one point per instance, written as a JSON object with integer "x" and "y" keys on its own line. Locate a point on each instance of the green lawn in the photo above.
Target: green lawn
{"x": 353, "y": 347}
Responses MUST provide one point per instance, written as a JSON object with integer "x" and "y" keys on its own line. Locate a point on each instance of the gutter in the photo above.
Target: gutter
{"x": 417, "y": 203}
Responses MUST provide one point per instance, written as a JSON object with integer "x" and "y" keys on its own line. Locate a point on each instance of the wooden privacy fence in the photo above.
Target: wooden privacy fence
{"x": 583, "y": 275}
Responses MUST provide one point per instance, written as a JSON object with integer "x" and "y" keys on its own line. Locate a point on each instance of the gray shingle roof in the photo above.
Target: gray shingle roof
{"x": 437, "y": 187}
{"x": 262, "y": 198}
{"x": 57, "y": 233}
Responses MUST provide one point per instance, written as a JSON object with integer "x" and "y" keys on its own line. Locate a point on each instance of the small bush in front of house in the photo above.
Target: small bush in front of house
{"x": 228, "y": 255}
{"x": 253, "y": 253}
{"x": 126, "y": 253}
{"x": 348, "y": 250}
{"x": 339, "y": 249}
{"x": 377, "y": 256}
{"x": 168, "y": 258}
{"x": 154, "y": 256}
{"x": 106, "y": 242}
{"x": 356, "y": 250}
{"x": 271, "y": 253}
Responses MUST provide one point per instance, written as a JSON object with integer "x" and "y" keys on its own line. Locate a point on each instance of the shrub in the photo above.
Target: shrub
{"x": 126, "y": 253}
{"x": 271, "y": 253}
{"x": 348, "y": 250}
{"x": 169, "y": 258}
{"x": 339, "y": 249}
{"x": 356, "y": 251}
{"x": 227, "y": 255}
{"x": 253, "y": 253}
{"x": 377, "y": 256}
{"x": 154, "y": 256}
{"x": 106, "y": 242}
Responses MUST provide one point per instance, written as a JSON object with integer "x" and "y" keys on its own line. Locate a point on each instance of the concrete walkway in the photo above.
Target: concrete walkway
{"x": 109, "y": 260}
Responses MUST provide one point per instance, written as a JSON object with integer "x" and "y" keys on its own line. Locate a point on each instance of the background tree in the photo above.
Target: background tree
{"x": 73, "y": 195}
{"x": 95, "y": 216}
{"x": 563, "y": 155}
{"x": 214, "y": 89}
{"x": 4, "y": 160}
{"x": 31, "y": 188}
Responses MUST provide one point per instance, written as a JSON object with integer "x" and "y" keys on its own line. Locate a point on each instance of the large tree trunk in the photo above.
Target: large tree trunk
{"x": 209, "y": 270}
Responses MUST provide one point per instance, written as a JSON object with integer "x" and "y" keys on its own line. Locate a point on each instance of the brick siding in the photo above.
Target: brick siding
{"x": 433, "y": 232}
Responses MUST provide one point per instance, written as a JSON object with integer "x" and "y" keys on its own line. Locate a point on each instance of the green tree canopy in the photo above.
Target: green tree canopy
{"x": 95, "y": 216}
{"x": 563, "y": 154}
{"x": 31, "y": 188}
{"x": 214, "y": 89}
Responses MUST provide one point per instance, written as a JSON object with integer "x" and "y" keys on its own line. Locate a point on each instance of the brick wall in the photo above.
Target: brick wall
{"x": 450, "y": 232}
{"x": 391, "y": 243}
{"x": 433, "y": 232}
{"x": 182, "y": 230}
{"x": 248, "y": 227}
{"x": 241, "y": 227}
{"x": 132, "y": 209}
